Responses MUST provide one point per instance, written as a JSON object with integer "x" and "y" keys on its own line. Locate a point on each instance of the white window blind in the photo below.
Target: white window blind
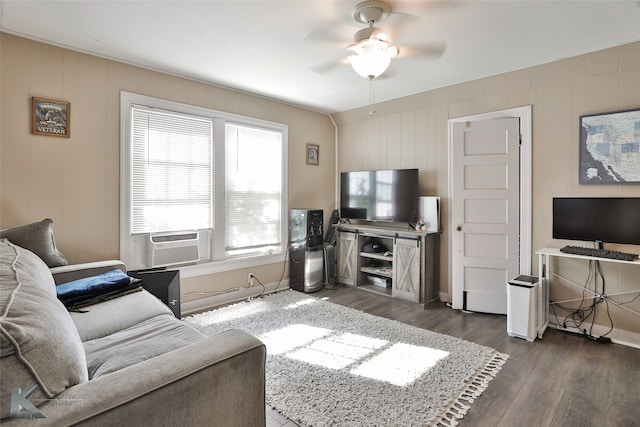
{"x": 171, "y": 171}
{"x": 253, "y": 184}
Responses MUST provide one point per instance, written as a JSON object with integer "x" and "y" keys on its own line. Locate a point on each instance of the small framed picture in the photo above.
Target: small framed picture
{"x": 313, "y": 154}
{"x": 51, "y": 117}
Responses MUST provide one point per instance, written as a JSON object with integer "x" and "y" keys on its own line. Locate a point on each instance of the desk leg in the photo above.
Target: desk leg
{"x": 543, "y": 294}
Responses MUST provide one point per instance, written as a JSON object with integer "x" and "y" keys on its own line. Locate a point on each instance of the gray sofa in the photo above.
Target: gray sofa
{"x": 123, "y": 361}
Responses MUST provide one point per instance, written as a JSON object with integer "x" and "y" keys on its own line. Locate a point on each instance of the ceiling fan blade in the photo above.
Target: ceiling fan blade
{"x": 432, "y": 51}
{"x": 329, "y": 67}
{"x": 325, "y": 35}
{"x": 399, "y": 19}
{"x": 421, "y": 7}
{"x": 409, "y": 17}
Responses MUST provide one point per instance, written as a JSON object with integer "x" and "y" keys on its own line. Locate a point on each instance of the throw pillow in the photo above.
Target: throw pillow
{"x": 39, "y": 343}
{"x": 38, "y": 238}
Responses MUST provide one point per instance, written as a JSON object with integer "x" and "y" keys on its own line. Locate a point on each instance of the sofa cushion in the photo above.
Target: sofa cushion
{"x": 111, "y": 316}
{"x": 39, "y": 343}
{"x": 93, "y": 289}
{"x": 38, "y": 238}
{"x": 149, "y": 338}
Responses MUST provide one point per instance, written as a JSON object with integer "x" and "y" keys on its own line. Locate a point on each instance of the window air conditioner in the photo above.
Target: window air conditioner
{"x": 173, "y": 249}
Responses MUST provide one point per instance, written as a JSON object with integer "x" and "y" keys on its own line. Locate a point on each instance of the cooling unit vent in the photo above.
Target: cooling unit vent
{"x": 173, "y": 249}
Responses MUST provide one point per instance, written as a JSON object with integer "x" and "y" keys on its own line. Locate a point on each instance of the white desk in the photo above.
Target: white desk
{"x": 545, "y": 274}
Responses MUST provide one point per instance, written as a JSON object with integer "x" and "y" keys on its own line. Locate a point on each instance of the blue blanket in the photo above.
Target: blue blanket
{"x": 88, "y": 288}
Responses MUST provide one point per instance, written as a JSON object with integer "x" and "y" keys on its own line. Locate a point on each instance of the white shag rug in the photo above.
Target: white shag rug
{"x": 329, "y": 365}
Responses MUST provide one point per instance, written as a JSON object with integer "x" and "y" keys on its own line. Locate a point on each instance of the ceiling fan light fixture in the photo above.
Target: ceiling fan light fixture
{"x": 372, "y": 58}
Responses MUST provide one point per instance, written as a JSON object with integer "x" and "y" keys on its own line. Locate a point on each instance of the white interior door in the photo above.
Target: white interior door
{"x": 485, "y": 204}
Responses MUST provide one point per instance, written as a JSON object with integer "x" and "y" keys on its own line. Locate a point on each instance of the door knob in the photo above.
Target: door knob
{"x": 459, "y": 228}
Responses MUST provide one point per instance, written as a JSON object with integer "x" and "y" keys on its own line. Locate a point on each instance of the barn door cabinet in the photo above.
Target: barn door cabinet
{"x": 398, "y": 263}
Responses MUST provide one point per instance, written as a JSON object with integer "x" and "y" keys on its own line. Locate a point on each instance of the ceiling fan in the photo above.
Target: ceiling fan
{"x": 371, "y": 51}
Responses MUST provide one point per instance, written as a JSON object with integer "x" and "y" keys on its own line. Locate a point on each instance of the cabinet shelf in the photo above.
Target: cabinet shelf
{"x": 377, "y": 256}
{"x": 378, "y": 271}
{"x": 376, "y": 289}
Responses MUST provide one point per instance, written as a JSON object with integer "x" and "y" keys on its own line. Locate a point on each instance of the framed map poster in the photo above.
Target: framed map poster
{"x": 610, "y": 148}
{"x": 50, "y": 117}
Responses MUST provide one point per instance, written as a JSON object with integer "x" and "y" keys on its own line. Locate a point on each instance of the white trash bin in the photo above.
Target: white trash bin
{"x": 522, "y": 307}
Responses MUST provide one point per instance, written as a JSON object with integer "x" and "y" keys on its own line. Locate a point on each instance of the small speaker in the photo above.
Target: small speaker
{"x": 429, "y": 208}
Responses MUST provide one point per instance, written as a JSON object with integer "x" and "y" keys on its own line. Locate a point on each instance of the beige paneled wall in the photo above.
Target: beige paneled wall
{"x": 412, "y": 132}
{"x": 76, "y": 181}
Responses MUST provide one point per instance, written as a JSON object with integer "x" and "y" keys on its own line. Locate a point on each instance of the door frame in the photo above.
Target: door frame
{"x": 524, "y": 114}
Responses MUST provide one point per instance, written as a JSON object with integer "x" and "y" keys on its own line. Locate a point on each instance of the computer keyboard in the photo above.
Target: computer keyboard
{"x": 599, "y": 253}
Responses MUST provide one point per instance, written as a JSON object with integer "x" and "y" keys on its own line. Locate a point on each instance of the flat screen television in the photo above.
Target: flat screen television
{"x": 380, "y": 195}
{"x": 597, "y": 219}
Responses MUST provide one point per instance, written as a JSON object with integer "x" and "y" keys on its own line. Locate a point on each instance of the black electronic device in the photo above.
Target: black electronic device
{"x": 380, "y": 195}
{"x": 329, "y": 236}
{"x": 163, "y": 283}
{"x": 597, "y": 219}
{"x": 598, "y": 253}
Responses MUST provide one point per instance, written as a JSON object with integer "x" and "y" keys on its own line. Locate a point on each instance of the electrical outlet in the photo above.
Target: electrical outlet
{"x": 250, "y": 279}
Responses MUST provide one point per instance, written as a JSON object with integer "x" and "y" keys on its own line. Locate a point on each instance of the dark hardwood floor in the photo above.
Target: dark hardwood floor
{"x": 561, "y": 380}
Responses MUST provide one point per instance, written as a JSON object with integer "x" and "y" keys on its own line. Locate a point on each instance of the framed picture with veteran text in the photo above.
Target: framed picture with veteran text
{"x": 51, "y": 117}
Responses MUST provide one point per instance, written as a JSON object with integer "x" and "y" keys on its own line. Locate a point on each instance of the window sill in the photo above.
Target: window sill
{"x": 213, "y": 267}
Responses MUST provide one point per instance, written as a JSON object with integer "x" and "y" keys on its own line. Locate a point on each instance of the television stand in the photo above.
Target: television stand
{"x": 390, "y": 261}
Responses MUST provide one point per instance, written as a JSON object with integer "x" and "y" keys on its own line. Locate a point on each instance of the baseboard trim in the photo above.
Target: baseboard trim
{"x": 210, "y": 302}
{"x": 444, "y": 296}
{"x": 618, "y": 336}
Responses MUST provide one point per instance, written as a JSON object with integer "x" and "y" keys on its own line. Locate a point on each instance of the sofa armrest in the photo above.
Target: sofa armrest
{"x": 67, "y": 273}
{"x": 217, "y": 381}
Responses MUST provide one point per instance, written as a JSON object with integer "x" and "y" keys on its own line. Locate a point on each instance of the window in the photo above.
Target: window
{"x": 253, "y": 187}
{"x": 171, "y": 171}
{"x": 187, "y": 169}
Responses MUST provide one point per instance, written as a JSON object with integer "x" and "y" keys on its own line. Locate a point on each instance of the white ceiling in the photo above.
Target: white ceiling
{"x": 289, "y": 50}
